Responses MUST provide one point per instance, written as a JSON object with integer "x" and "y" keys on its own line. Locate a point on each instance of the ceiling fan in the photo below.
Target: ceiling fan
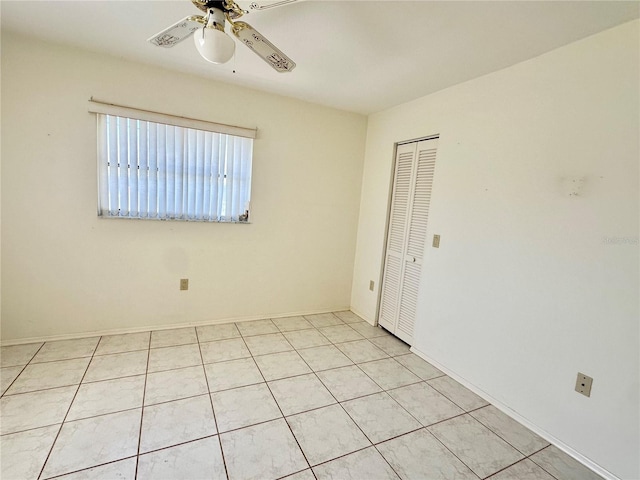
{"x": 216, "y": 46}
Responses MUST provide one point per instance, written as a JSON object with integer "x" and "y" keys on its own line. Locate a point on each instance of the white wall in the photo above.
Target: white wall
{"x": 526, "y": 288}
{"x": 66, "y": 271}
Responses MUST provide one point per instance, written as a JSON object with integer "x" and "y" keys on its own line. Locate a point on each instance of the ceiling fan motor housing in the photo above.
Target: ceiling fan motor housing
{"x": 205, "y": 5}
{"x": 211, "y": 41}
{"x": 216, "y": 19}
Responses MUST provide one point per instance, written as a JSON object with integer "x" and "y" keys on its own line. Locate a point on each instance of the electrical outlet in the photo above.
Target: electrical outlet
{"x": 436, "y": 241}
{"x": 371, "y": 285}
{"x": 184, "y": 284}
{"x": 583, "y": 384}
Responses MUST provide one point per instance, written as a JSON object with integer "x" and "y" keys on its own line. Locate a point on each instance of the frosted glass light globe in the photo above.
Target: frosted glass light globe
{"x": 214, "y": 45}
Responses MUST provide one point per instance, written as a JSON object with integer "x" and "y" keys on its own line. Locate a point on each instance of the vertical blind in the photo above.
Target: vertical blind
{"x": 159, "y": 171}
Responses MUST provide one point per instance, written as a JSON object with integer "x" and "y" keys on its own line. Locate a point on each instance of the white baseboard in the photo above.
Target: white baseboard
{"x": 147, "y": 328}
{"x": 520, "y": 419}
{"x": 362, "y": 316}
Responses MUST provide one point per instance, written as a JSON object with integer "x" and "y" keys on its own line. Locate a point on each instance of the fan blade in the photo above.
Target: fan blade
{"x": 263, "y": 47}
{"x": 257, "y": 6}
{"x": 177, "y": 32}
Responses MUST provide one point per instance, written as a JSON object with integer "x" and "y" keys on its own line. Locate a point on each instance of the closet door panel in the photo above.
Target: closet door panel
{"x": 396, "y": 239}
{"x": 421, "y": 201}
{"x": 390, "y": 292}
{"x": 400, "y": 198}
{"x": 408, "y": 301}
{"x": 418, "y": 217}
{"x": 408, "y": 221}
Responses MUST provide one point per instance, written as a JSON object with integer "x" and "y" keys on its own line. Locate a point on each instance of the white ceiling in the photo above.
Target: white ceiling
{"x": 361, "y": 56}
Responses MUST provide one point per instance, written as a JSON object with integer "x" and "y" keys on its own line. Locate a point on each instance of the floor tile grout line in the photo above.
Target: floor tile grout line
{"x": 536, "y": 463}
{"x": 402, "y": 407}
{"x": 169, "y": 447}
{"x": 4, "y": 394}
{"x": 439, "y": 392}
{"x": 444, "y": 420}
{"x": 89, "y": 468}
{"x": 93, "y": 355}
{"x": 371, "y": 378}
{"x": 338, "y": 403}
{"x": 177, "y": 368}
{"x": 424, "y": 381}
{"x": 7, "y": 394}
{"x": 280, "y": 409}
{"x": 55, "y": 440}
{"x": 347, "y": 413}
{"x": 383, "y": 390}
{"x": 344, "y": 409}
{"x": 188, "y": 397}
{"x": 213, "y": 410}
{"x": 92, "y": 382}
{"x": 248, "y": 334}
{"x": 126, "y": 351}
{"x": 307, "y": 330}
{"x": 451, "y": 399}
{"x": 503, "y": 469}
{"x": 439, "y": 421}
{"x": 123, "y": 351}
{"x": 452, "y": 453}
{"x": 426, "y": 427}
{"x": 73, "y": 357}
{"x": 100, "y": 337}
{"x": 148, "y": 405}
{"x": 29, "y": 429}
{"x": 385, "y": 458}
{"x": 83, "y": 383}
{"x": 539, "y": 450}
{"x": 295, "y": 473}
{"x": 150, "y": 332}
{"x": 342, "y": 456}
{"x": 173, "y": 345}
{"x": 335, "y": 368}
{"x": 144, "y": 394}
{"x": 98, "y": 354}
{"x": 261, "y": 354}
{"x": 261, "y": 422}
{"x": 366, "y": 436}
{"x": 399, "y": 435}
{"x": 32, "y": 356}
{"x": 195, "y": 365}
{"x": 180, "y": 444}
{"x": 524, "y": 455}
{"x": 310, "y": 409}
{"x": 294, "y": 330}
{"x": 502, "y": 437}
{"x": 72, "y": 420}
{"x": 333, "y": 343}
{"x": 22, "y": 370}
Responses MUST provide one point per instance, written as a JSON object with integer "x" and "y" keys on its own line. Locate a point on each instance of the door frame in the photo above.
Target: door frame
{"x": 388, "y": 215}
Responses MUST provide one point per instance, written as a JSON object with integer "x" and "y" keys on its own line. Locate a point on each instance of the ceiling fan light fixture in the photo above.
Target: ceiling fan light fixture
{"x": 214, "y": 46}
{"x": 212, "y": 43}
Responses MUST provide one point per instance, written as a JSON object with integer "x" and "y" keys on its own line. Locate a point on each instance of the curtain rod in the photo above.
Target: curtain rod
{"x": 99, "y": 106}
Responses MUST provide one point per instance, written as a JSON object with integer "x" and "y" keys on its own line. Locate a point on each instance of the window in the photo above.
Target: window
{"x": 152, "y": 170}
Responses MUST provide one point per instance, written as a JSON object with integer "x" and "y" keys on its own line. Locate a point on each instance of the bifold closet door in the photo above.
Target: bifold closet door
{"x": 408, "y": 220}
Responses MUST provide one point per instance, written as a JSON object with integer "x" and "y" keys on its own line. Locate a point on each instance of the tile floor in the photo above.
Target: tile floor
{"x": 322, "y": 396}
